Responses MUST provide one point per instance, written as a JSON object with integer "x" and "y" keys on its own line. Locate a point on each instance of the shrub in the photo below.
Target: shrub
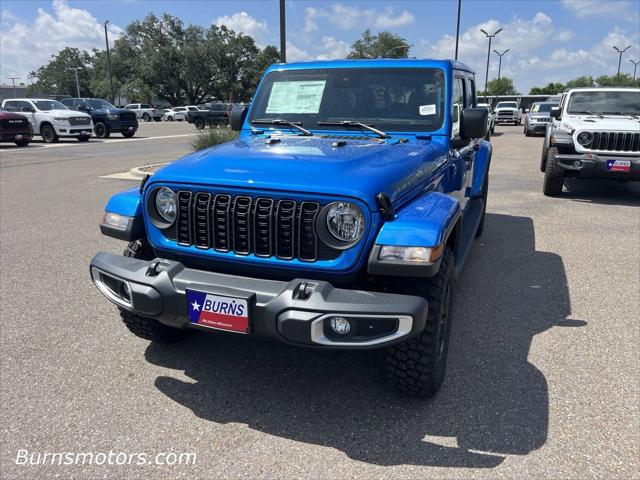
{"x": 212, "y": 136}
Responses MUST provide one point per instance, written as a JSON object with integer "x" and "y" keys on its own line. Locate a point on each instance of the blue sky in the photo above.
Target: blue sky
{"x": 549, "y": 40}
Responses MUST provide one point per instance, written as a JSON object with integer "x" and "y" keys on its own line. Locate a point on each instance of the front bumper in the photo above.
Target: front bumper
{"x": 122, "y": 126}
{"x": 73, "y": 131}
{"x": 537, "y": 127}
{"x": 591, "y": 165}
{"x": 10, "y": 135}
{"x": 292, "y": 312}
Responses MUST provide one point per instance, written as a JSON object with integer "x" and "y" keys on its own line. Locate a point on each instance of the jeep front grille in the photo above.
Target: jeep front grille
{"x": 246, "y": 225}
{"x": 615, "y": 141}
{"x": 74, "y": 121}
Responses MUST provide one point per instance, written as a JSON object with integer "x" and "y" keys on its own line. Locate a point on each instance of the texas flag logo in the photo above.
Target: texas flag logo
{"x": 214, "y": 311}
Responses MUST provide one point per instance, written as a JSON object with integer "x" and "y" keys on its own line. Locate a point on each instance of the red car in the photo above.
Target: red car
{"x": 15, "y": 128}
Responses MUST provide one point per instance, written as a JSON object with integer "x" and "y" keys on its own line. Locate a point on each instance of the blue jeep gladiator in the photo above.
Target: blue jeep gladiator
{"x": 338, "y": 219}
{"x": 106, "y": 117}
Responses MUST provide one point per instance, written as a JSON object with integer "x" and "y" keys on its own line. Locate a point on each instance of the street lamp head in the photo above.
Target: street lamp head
{"x": 498, "y": 31}
{"x": 506, "y": 51}
{"x": 484, "y": 31}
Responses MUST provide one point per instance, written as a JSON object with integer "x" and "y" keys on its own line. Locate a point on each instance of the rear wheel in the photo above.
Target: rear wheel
{"x": 101, "y": 130}
{"x": 48, "y": 133}
{"x": 127, "y": 134}
{"x": 169, "y": 119}
{"x": 146, "y": 117}
{"x": 145, "y": 327}
{"x": 553, "y": 175}
{"x": 199, "y": 123}
{"x": 417, "y": 367}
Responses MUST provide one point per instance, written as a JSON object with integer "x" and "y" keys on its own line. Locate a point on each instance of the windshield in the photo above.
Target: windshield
{"x": 99, "y": 104}
{"x": 507, "y": 105}
{"x": 542, "y": 107}
{"x": 391, "y": 99}
{"x": 605, "y": 102}
{"x": 49, "y": 105}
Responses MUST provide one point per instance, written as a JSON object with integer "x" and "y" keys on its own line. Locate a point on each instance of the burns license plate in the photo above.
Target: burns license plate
{"x": 217, "y": 311}
{"x": 619, "y": 165}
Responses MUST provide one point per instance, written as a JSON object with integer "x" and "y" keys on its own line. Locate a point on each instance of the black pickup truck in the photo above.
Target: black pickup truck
{"x": 216, "y": 115}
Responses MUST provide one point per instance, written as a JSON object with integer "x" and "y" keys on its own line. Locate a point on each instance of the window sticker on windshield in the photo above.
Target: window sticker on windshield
{"x": 296, "y": 97}
{"x": 427, "y": 109}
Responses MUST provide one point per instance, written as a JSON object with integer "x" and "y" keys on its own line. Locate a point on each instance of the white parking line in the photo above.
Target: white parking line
{"x": 91, "y": 142}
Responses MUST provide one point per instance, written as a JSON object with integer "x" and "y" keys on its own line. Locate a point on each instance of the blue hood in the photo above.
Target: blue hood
{"x": 360, "y": 169}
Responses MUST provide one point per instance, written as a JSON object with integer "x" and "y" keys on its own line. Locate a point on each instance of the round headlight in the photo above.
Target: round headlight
{"x": 345, "y": 221}
{"x": 584, "y": 138}
{"x": 166, "y": 204}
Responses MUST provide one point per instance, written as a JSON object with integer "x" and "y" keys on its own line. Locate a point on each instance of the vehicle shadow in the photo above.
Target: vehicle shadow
{"x": 493, "y": 403}
{"x": 603, "y": 191}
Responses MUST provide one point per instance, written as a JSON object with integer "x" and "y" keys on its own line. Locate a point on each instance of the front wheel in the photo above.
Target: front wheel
{"x": 493, "y": 129}
{"x": 146, "y": 117}
{"x": 169, "y": 119}
{"x": 84, "y": 138}
{"x": 101, "y": 130}
{"x": 22, "y": 143}
{"x": 127, "y": 134}
{"x": 199, "y": 123}
{"x": 485, "y": 196}
{"x": 48, "y": 133}
{"x": 553, "y": 175}
{"x": 417, "y": 367}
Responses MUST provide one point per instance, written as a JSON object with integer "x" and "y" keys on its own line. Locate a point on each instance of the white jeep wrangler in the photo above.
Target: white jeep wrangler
{"x": 595, "y": 133}
{"x": 51, "y": 119}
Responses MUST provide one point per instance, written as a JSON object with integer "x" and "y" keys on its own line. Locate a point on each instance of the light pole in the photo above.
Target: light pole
{"x": 458, "y": 27}
{"x": 106, "y": 39}
{"x": 75, "y": 69}
{"x": 283, "y": 34}
{"x": 13, "y": 80}
{"x": 490, "y": 37}
{"x": 635, "y": 65}
{"x": 500, "y": 61}
{"x": 620, "y": 52}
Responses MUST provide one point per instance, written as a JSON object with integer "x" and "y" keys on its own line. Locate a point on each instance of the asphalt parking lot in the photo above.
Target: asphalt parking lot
{"x": 543, "y": 367}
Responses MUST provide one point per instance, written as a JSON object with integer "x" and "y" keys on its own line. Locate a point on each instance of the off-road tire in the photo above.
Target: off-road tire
{"x": 146, "y": 117}
{"x": 416, "y": 367}
{"x": 553, "y": 175}
{"x": 49, "y": 134}
{"x": 101, "y": 130}
{"x": 199, "y": 123}
{"x": 141, "y": 326}
{"x": 22, "y": 143}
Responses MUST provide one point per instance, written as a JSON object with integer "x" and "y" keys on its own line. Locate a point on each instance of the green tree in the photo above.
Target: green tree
{"x": 622, "y": 80}
{"x": 57, "y": 76}
{"x": 383, "y": 45}
{"x": 504, "y": 86}
{"x": 580, "y": 82}
{"x": 548, "y": 89}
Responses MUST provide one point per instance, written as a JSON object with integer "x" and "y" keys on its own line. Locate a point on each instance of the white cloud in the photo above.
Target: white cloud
{"x": 24, "y": 47}
{"x": 346, "y": 17}
{"x": 600, "y": 8}
{"x": 332, "y": 49}
{"x": 564, "y": 35}
{"x": 242, "y": 22}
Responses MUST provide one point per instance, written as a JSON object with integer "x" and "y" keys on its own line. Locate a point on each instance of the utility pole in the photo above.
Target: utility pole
{"x": 13, "y": 80}
{"x": 635, "y": 66}
{"x": 486, "y": 77}
{"x": 283, "y": 34}
{"x": 500, "y": 61}
{"x": 458, "y": 27}
{"x": 106, "y": 39}
{"x": 75, "y": 69}
{"x": 620, "y": 52}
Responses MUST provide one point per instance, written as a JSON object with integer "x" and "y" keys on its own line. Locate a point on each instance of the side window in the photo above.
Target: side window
{"x": 10, "y": 105}
{"x": 472, "y": 92}
{"x": 457, "y": 104}
{"x": 145, "y": 106}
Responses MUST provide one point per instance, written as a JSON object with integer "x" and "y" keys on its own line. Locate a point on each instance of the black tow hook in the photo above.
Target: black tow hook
{"x": 303, "y": 291}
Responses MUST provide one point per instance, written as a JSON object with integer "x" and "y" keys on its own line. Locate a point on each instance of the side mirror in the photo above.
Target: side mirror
{"x": 238, "y": 114}
{"x": 555, "y": 112}
{"x": 473, "y": 123}
{"x": 28, "y": 109}
{"x": 84, "y": 107}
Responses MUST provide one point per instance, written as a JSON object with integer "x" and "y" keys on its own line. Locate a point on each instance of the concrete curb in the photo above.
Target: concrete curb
{"x": 140, "y": 172}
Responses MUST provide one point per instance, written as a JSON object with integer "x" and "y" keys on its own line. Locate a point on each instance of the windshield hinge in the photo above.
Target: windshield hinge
{"x": 384, "y": 202}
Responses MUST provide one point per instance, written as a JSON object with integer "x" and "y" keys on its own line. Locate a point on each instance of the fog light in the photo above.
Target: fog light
{"x": 577, "y": 163}
{"x": 340, "y": 325}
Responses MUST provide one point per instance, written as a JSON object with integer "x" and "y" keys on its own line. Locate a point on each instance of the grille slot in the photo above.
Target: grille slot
{"x": 184, "y": 218}
{"x": 14, "y": 123}
{"x": 74, "y": 121}
{"x": 128, "y": 116}
{"x": 265, "y": 227}
{"x": 616, "y": 141}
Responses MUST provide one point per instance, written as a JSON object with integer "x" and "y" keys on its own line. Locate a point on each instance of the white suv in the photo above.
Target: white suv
{"x": 51, "y": 119}
{"x": 145, "y": 111}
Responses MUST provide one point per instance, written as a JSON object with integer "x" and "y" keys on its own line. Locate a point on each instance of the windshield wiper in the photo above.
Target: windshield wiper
{"x": 282, "y": 121}
{"x": 588, "y": 113}
{"x": 353, "y": 123}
